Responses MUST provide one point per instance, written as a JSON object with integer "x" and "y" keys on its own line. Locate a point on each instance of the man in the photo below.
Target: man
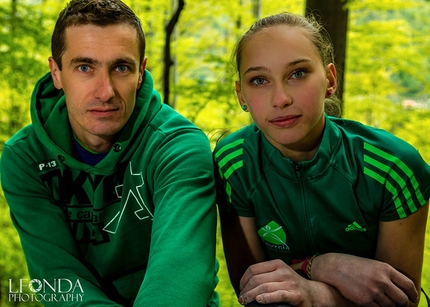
{"x": 111, "y": 192}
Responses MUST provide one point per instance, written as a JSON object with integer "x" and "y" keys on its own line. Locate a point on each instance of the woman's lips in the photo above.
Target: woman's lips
{"x": 285, "y": 121}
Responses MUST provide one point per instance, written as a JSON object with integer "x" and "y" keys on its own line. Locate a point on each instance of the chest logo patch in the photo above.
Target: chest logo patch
{"x": 274, "y": 236}
{"x": 354, "y": 226}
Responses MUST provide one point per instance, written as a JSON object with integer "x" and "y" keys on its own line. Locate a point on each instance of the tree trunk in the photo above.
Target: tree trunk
{"x": 168, "y": 61}
{"x": 256, "y": 9}
{"x": 334, "y": 16}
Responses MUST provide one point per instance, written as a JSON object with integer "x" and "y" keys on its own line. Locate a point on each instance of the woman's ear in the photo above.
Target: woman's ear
{"x": 242, "y": 101}
{"x": 55, "y": 73}
{"x": 331, "y": 76}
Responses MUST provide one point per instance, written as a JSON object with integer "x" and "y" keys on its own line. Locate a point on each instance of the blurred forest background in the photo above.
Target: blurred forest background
{"x": 386, "y": 77}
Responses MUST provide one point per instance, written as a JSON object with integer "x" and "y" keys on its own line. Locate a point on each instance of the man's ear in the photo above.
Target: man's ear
{"x": 55, "y": 73}
{"x": 141, "y": 72}
{"x": 331, "y": 76}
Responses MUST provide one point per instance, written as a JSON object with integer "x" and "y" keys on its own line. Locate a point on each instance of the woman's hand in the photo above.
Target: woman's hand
{"x": 366, "y": 282}
{"x": 271, "y": 281}
{"x": 274, "y": 282}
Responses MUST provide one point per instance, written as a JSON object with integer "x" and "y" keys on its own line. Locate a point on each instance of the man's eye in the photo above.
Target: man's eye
{"x": 84, "y": 68}
{"x": 122, "y": 68}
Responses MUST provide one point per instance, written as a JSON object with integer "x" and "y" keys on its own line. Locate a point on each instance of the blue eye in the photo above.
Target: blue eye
{"x": 258, "y": 81}
{"x": 122, "y": 68}
{"x": 84, "y": 68}
{"x": 298, "y": 74}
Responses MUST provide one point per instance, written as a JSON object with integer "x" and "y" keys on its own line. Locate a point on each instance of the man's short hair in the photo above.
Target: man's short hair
{"x": 95, "y": 12}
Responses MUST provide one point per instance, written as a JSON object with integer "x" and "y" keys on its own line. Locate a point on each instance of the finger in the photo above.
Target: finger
{"x": 258, "y": 281}
{"x": 397, "y": 296}
{"x": 259, "y": 269}
{"x": 406, "y": 285}
{"x": 259, "y": 289}
{"x": 286, "y": 277}
{"x": 270, "y": 293}
{"x": 289, "y": 297}
{"x": 388, "y": 300}
{"x": 247, "y": 297}
{"x": 249, "y": 273}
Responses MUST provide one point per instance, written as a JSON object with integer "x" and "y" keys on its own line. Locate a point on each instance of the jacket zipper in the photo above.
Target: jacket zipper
{"x": 306, "y": 219}
{"x": 297, "y": 169}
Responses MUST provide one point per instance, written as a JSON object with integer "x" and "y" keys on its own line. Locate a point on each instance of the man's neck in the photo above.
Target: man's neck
{"x": 94, "y": 144}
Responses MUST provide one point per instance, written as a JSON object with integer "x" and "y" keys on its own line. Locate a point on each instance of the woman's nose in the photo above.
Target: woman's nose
{"x": 281, "y": 96}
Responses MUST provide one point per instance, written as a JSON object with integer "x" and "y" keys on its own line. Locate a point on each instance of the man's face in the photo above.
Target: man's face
{"x": 100, "y": 77}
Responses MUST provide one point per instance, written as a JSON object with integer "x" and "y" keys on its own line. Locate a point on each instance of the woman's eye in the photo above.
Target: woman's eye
{"x": 84, "y": 68}
{"x": 298, "y": 74}
{"x": 258, "y": 81}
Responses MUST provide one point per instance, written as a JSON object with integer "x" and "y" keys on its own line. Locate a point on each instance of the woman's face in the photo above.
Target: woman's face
{"x": 283, "y": 83}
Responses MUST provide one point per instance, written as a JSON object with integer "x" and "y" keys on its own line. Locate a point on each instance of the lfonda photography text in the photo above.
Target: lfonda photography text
{"x": 43, "y": 290}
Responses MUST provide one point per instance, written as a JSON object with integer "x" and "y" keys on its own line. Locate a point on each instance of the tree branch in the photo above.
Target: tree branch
{"x": 168, "y": 61}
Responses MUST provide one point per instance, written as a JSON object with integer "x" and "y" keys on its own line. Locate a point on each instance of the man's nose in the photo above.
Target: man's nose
{"x": 104, "y": 87}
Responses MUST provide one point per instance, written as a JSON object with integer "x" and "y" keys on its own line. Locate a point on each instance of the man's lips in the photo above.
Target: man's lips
{"x": 285, "y": 121}
{"x": 102, "y": 112}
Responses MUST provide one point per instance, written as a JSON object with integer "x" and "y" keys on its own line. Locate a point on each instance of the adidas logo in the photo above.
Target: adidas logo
{"x": 354, "y": 226}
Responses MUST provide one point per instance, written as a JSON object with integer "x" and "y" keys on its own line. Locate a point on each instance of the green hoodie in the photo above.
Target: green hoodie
{"x": 137, "y": 227}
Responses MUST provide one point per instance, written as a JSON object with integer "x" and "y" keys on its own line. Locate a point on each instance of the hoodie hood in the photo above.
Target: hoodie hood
{"x": 51, "y": 124}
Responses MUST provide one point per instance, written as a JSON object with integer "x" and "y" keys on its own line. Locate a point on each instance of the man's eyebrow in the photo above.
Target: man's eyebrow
{"x": 263, "y": 68}
{"x": 81, "y": 60}
{"x": 86, "y": 60}
{"x": 126, "y": 60}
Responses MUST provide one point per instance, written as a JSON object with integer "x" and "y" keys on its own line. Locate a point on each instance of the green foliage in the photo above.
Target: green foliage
{"x": 204, "y": 87}
{"x": 387, "y": 75}
{"x": 12, "y": 263}
{"x": 24, "y": 49}
{"x": 387, "y": 78}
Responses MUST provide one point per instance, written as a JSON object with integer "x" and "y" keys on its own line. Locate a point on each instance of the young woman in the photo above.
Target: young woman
{"x": 315, "y": 210}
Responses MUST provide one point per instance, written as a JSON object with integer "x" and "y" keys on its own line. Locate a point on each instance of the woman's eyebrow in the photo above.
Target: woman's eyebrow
{"x": 299, "y": 61}
{"x": 256, "y": 68}
{"x": 263, "y": 68}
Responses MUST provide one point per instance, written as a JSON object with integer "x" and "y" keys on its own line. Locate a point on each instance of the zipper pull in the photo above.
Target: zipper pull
{"x": 296, "y": 167}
